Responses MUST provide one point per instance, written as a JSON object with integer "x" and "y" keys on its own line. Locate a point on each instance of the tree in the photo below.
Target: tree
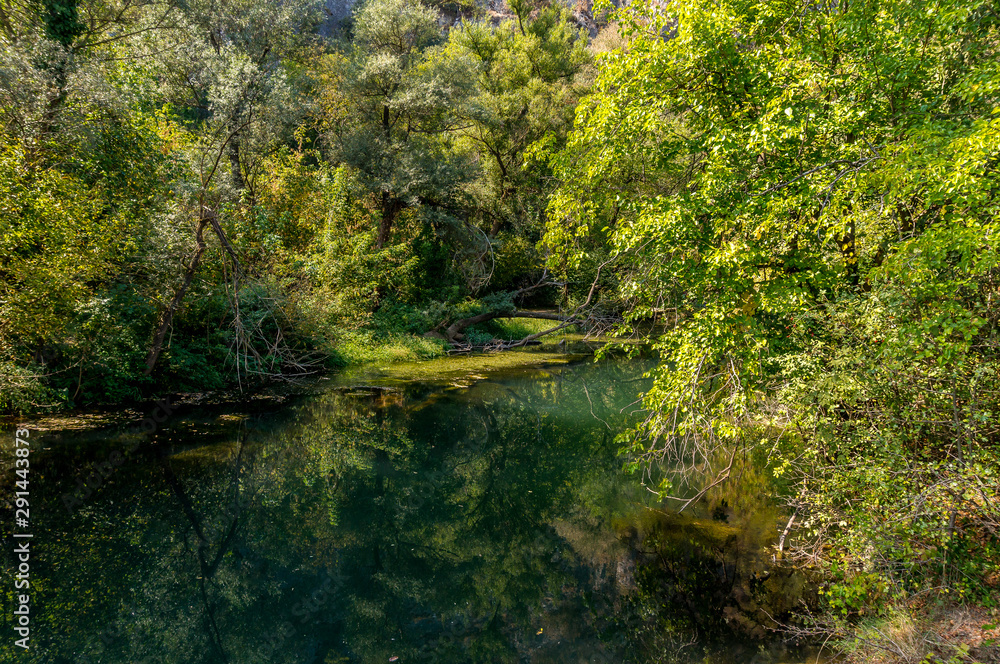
{"x": 84, "y": 173}
{"x": 54, "y": 66}
{"x": 231, "y": 83}
{"x": 127, "y": 113}
{"x": 391, "y": 107}
{"x": 808, "y": 198}
{"x": 529, "y": 81}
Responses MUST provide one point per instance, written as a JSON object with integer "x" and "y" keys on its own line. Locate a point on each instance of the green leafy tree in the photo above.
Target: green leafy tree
{"x": 531, "y": 74}
{"x": 391, "y": 107}
{"x": 125, "y": 117}
{"x": 808, "y": 198}
{"x": 229, "y": 97}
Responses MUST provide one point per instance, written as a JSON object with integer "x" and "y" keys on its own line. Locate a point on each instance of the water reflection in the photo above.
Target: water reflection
{"x": 491, "y": 523}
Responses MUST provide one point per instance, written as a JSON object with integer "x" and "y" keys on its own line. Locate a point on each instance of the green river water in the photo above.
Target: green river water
{"x": 475, "y": 512}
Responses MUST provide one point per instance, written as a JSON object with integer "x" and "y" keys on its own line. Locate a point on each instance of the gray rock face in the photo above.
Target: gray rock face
{"x": 336, "y": 12}
{"x": 496, "y": 10}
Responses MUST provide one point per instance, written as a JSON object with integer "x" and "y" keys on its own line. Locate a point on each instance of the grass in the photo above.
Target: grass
{"x": 949, "y": 634}
{"x": 518, "y": 328}
{"x": 359, "y": 347}
{"x": 455, "y": 369}
{"x": 365, "y": 347}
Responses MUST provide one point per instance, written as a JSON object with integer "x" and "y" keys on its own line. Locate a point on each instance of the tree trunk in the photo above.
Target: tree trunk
{"x": 390, "y": 204}
{"x": 391, "y": 207}
{"x": 50, "y": 117}
{"x": 235, "y": 169}
{"x": 175, "y": 302}
{"x": 385, "y": 224}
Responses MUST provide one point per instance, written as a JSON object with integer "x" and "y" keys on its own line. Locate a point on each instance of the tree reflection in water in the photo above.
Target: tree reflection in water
{"x": 430, "y": 524}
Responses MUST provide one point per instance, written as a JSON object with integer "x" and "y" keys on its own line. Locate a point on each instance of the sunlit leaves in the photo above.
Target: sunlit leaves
{"x": 807, "y": 197}
{"x": 53, "y": 242}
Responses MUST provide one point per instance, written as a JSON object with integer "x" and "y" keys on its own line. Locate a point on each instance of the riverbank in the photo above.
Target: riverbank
{"x": 924, "y": 629}
{"x": 351, "y": 352}
{"x": 388, "y": 367}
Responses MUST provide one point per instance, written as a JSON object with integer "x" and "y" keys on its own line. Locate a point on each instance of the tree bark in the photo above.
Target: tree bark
{"x": 175, "y": 302}
{"x": 390, "y": 204}
{"x": 391, "y": 207}
{"x": 235, "y": 168}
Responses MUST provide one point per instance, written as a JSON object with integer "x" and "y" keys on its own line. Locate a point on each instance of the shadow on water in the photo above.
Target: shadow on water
{"x": 482, "y": 520}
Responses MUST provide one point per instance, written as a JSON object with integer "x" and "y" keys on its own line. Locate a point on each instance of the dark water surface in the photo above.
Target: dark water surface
{"x": 482, "y": 519}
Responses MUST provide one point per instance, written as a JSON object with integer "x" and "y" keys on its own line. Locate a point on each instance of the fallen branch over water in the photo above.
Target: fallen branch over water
{"x": 454, "y": 335}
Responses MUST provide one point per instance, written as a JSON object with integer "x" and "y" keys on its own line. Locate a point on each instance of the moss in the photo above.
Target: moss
{"x": 457, "y": 369}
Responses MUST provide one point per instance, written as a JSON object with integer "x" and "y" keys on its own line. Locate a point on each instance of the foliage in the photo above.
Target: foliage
{"x": 390, "y": 106}
{"x": 53, "y": 215}
{"x": 807, "y": 197}
{"x": 161, "y": 180}
{"x": 221, "y": 187}
{"x": 531, "y": 72}
{"x": 370, "y": 347}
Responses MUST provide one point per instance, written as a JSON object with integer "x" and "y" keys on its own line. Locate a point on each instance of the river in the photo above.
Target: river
{"x": 462, "y": 515}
